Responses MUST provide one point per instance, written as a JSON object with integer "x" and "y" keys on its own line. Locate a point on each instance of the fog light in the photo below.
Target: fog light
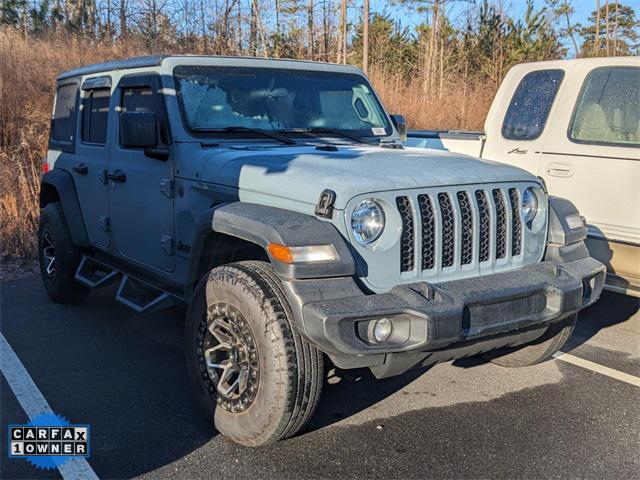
{"x": 382, "y": 330}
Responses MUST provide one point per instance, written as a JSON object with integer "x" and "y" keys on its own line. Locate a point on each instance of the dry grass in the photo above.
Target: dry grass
{"x": 28, "y": 68}
{"x": 459, "y": 107}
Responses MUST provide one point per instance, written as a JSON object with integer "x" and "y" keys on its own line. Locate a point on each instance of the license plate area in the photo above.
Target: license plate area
{"x": 504, "y": 315}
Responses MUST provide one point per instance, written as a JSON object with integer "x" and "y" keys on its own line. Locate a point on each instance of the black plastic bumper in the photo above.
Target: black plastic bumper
{"x": 490, "y": 311}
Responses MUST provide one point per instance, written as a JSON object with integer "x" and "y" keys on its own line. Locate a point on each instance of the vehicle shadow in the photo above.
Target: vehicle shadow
{"x": 348, "y": 392}
{"x": 611, "y": 309}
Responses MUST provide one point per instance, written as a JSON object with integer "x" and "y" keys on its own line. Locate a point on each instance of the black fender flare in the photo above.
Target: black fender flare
{"x": 560, "y": 232}
{"x": 62, "y": 183}
{"x": 262, "y": 225}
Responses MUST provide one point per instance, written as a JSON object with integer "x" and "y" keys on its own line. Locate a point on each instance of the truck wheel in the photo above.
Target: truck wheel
{"x": 256, "y": 377}
{"x": 540, "y": 350}
{"x": 59, "y": 257}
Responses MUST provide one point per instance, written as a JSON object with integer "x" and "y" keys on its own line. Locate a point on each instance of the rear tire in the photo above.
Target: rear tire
{"x": 551, "y": 341}
{"x": 277, "y": 377}
{"x": 59, "y": 257}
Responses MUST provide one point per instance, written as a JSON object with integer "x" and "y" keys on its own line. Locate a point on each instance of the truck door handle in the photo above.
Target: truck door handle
{"x": 81, "y": 168}
{"x": 559, "y": 169}
{"x": 117, "y": 176}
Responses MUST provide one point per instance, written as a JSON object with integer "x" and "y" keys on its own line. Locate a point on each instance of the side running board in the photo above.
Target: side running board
{"x": 141, "y": 296}
{"x": 133, "y": 293}
{"x": 94, "y": 274}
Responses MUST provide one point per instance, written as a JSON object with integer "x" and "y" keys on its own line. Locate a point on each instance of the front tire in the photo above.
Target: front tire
{"x": 256, "y": 377}
{"x": 551, "y": 341}
{"x": 59, "y": 257}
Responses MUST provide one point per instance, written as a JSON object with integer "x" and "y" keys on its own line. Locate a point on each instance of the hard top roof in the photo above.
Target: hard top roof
{"x": 156, "y": 60}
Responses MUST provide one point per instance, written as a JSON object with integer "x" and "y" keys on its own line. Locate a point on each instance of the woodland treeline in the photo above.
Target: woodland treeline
{"x": 450, "y": 37}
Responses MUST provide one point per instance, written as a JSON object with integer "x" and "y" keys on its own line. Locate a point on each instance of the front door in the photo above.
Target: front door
{"x": 141, "y": 197}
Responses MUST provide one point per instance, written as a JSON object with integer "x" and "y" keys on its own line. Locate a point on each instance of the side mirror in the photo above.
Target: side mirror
{"x": 138, "y": 130}
{"x": 401, "y": 126}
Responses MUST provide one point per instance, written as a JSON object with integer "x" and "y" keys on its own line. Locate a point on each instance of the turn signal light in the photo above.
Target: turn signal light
{"x": 306, "y": 254}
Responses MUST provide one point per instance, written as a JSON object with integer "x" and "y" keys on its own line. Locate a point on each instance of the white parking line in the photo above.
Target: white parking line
{"x": 34, "y": 404}
{"x": 596, "y": 367}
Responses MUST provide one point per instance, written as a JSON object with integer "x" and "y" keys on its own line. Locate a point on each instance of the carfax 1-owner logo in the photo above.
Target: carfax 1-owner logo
{"x": 48, "y": 441}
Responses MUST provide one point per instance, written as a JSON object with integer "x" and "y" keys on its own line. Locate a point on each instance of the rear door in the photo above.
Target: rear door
{"x": 141, "y": 199}
{"x": 89, "y": 163}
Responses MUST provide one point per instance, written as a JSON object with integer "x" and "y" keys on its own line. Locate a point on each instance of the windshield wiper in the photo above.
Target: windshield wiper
{"x": 239, "y": 129}
{"x": 330, "y": 131}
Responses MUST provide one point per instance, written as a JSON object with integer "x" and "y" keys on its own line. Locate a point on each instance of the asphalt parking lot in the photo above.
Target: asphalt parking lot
{"x": 124, "y": 374}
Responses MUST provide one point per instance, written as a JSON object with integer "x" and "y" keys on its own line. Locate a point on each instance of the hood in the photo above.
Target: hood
{"x": 301, "y": 173}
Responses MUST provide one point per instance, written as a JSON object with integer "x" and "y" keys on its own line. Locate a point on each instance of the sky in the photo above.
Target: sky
{"x": 456, "y": 10}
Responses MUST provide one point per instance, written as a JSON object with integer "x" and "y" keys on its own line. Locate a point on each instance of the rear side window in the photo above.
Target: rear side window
{"x": 531, "y": 103}
{"x": 63, "y": 124}
{"x": 608, "y": 108}
{"x": 95, "y": 116}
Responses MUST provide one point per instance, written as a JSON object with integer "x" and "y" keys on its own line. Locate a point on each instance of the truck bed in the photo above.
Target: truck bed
{"x": 461, "y": 141}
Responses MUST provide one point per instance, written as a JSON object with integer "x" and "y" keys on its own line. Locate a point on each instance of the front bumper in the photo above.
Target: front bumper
{"x": 460, "y": 317}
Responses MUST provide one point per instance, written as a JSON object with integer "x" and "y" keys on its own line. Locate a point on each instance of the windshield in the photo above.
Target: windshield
{"x": 216, "y": 98}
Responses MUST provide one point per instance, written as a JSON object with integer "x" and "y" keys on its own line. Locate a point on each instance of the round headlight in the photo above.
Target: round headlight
{"x": 529, "y": 207}
{"x": 367, "y": 221}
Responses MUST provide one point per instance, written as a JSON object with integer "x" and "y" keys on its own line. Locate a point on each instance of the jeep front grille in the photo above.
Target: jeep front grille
{"x": 407, "y": 236}
{"x": 484, "y": 225}
{"x": 460, "y": 228}
{"x": 516, "y": 231}
{"x": 501, "y": 224}
{"x": 428, "y": 232}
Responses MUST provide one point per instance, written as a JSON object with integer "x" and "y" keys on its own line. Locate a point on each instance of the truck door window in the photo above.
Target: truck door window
{"x": 95, "y": 114}
{"x": 63, "y": 123}
{"x": 530, "y": 105}
{"x": 142, "y": 99}
{"x": 608, "y": 108}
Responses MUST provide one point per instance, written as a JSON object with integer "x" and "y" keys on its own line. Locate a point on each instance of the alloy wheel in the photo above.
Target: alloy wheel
{"x": 230, "y": 357}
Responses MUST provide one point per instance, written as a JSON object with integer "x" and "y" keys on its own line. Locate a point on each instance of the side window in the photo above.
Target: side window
{"x": 63, "y": 123}
{"x": 138, "y": 99}
{"x": 531, "y": 103}
{"x": 608, "y": 108}
{"x": 143, "y": 99}
{"x": 95, "y": 115}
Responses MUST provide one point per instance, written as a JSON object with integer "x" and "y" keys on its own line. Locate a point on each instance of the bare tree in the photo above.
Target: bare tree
{"x": 123, "y": 19}
{"x": 342, "y": 48}
{"x": 310, "y": 30}
{"x": 365, "y": 37}
{"x": 596, "y": 44}
{"x": 606, "y": 26}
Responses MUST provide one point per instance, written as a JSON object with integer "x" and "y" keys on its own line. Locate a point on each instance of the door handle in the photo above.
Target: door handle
{"x": 81, "y": 168}
{"x": 117, "y": 176}
{"x": 559, "y": 169}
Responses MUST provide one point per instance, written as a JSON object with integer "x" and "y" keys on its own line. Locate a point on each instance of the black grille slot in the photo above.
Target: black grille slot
{"x": 407, "y": 256}
{"x": 466, "y": 228}
{"x": 501, "y": 224}
{"x": 428, "y": 232}
{"x": 516, "y": 226}
{"x": 484, "y": 225}
{"x": 448, "y": 230}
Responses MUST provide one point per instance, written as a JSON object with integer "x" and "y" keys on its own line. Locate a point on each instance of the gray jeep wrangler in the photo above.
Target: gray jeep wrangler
{"x": 274, "y": 200}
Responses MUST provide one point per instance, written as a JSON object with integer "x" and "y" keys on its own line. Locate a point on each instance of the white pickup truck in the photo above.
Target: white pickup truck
{"x": 576, "y": 124}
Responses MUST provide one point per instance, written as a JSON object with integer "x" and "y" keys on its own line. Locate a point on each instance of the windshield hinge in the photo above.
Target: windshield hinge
{"x": 168, "y": 245}
{"x": 168, "y": 188}
{"x": 324, "y": 207}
